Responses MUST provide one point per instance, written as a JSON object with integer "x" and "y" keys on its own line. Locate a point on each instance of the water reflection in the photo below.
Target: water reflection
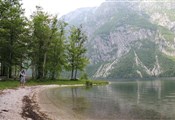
{"x": 144, "y": 87}
{"x": 138, "y": 92}
{"x": 123, "y": 100}
{"x": 79, "y": 103}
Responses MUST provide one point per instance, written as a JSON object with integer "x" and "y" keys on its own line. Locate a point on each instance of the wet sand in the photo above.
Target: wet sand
{"x": 30, "y": 103}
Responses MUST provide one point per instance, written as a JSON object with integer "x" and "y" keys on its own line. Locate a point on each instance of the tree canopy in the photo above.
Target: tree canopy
{"x": 76, "y": 51}
{"x": 43, "y": 44}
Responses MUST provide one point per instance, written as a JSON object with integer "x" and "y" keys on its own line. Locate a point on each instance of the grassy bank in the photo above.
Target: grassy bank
{"x": 11, "y": 84}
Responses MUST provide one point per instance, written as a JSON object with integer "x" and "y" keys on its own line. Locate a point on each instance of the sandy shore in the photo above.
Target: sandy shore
{"x": 25, "y": 104}
{"x": 12, "y": 102}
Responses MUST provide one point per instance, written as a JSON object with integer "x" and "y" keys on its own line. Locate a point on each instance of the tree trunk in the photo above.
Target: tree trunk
{"x": 40, "y": 71}
{"x": 15, "y": 72}
{"x": 44, "y": 65}
{"x": 10, "y": 72}
{"x": 10, "y": 66}
{"x": 11, "y": 53}
{"x": 40, "y": 63}
{"x": 72, "y": 73}
{"x": 75, "y": 76}
{"x": 33, "y": 72}
{"x": 53, "y": 75}
{"x": 3, "y": 70}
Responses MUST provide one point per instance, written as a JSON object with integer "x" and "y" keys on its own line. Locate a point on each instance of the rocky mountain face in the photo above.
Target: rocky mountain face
{"x": 129, "y": 39}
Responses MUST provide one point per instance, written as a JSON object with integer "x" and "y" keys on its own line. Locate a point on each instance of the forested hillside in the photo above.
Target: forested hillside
{"x": 129, "y": 39}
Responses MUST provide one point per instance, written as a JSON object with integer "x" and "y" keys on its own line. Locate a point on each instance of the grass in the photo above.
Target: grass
{"x": 12, "y": 84}
{"x": 9, "y": 84}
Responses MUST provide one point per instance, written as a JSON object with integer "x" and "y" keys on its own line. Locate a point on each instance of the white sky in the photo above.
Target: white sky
{"x": 59, "y": 7}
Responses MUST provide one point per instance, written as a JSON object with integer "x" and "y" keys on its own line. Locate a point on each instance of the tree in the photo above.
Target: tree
{"x": 76, "y": 51}
{"x": 41, "y": 36}
{"x": 47, "y": 51}
{"x": 12, "y": 35}
{"x": 56, "y": 54}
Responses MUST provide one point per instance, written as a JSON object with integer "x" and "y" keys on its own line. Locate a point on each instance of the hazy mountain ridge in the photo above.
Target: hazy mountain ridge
{"x": 126, "y": 40}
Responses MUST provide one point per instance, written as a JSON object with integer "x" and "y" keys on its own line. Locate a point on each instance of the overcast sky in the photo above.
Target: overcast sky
{"x": 58, "y": 7}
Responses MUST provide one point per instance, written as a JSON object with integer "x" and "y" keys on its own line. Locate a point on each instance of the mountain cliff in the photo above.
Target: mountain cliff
{"x": 129, "y": 39}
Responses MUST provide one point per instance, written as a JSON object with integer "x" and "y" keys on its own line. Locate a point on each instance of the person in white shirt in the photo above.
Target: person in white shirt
{"x": 22, "y": 77}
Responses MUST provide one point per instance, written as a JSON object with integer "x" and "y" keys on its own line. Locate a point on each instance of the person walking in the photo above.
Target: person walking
{"x": 22, "y": 77}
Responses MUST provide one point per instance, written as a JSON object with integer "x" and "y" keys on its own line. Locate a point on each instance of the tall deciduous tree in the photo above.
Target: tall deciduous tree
{"x": 41, "y": 36}
{"x": 76, "y": 51}
{"x": 56, "y": 55}
{"x": 47, "y": 45}
{"x": 12, "y": 35}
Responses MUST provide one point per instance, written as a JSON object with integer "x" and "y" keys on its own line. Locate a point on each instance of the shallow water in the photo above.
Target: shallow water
{"x": 141, "y": 100}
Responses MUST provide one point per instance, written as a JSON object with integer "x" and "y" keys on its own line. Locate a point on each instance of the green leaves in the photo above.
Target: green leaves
{"x": 40, "y": 44}
{"x": 56, "y": 54}
{"x": 76, "y": 51}
{"x": 48, "y": 45}
{"x": 12, "y": 29}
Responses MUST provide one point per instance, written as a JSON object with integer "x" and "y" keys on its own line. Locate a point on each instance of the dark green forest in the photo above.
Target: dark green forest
{"x": 41, "y": 43}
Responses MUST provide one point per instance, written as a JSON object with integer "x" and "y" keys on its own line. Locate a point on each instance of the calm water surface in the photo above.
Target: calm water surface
{"x": 141, "y": 100}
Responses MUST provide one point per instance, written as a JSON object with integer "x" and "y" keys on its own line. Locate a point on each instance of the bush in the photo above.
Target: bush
{"x": 89, "y": 83}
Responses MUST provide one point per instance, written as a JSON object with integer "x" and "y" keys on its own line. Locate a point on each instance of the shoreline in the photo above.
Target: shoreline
{"x": 11, "y": 102}
{"x": 25, "y": 103}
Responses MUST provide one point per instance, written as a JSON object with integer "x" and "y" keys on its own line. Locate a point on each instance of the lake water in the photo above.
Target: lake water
{"x": 133, "y": 100}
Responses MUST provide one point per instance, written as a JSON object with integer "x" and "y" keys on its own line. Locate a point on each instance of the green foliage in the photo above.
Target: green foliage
{"x": 167, "y": 34}
{"x": 92, "y": 68}
{"x": 167, "y": 65}
{"x": 147, "y": 53}
{"x": 9, "y": 84}
{"x": 140, "y": 21}
{"x": 84, "y": 76}
{"x": 39, "y": 44}
{"x": 88, "y": 83}
{"x": 125, "y": 17}
{"x": 48, "y": 45}
{"x": 110, "y": 16}
{"x": 171, "y": 14}
{"x": 76, "y": 59}
{"x": 56, "y": 54}
{"x": 13, "y": 35}
{"x": 126, "y": 67}
{"x": 41, "y": 40}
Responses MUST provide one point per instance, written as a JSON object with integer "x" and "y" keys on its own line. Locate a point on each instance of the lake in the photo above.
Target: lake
{"x": 131, "y": 100}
